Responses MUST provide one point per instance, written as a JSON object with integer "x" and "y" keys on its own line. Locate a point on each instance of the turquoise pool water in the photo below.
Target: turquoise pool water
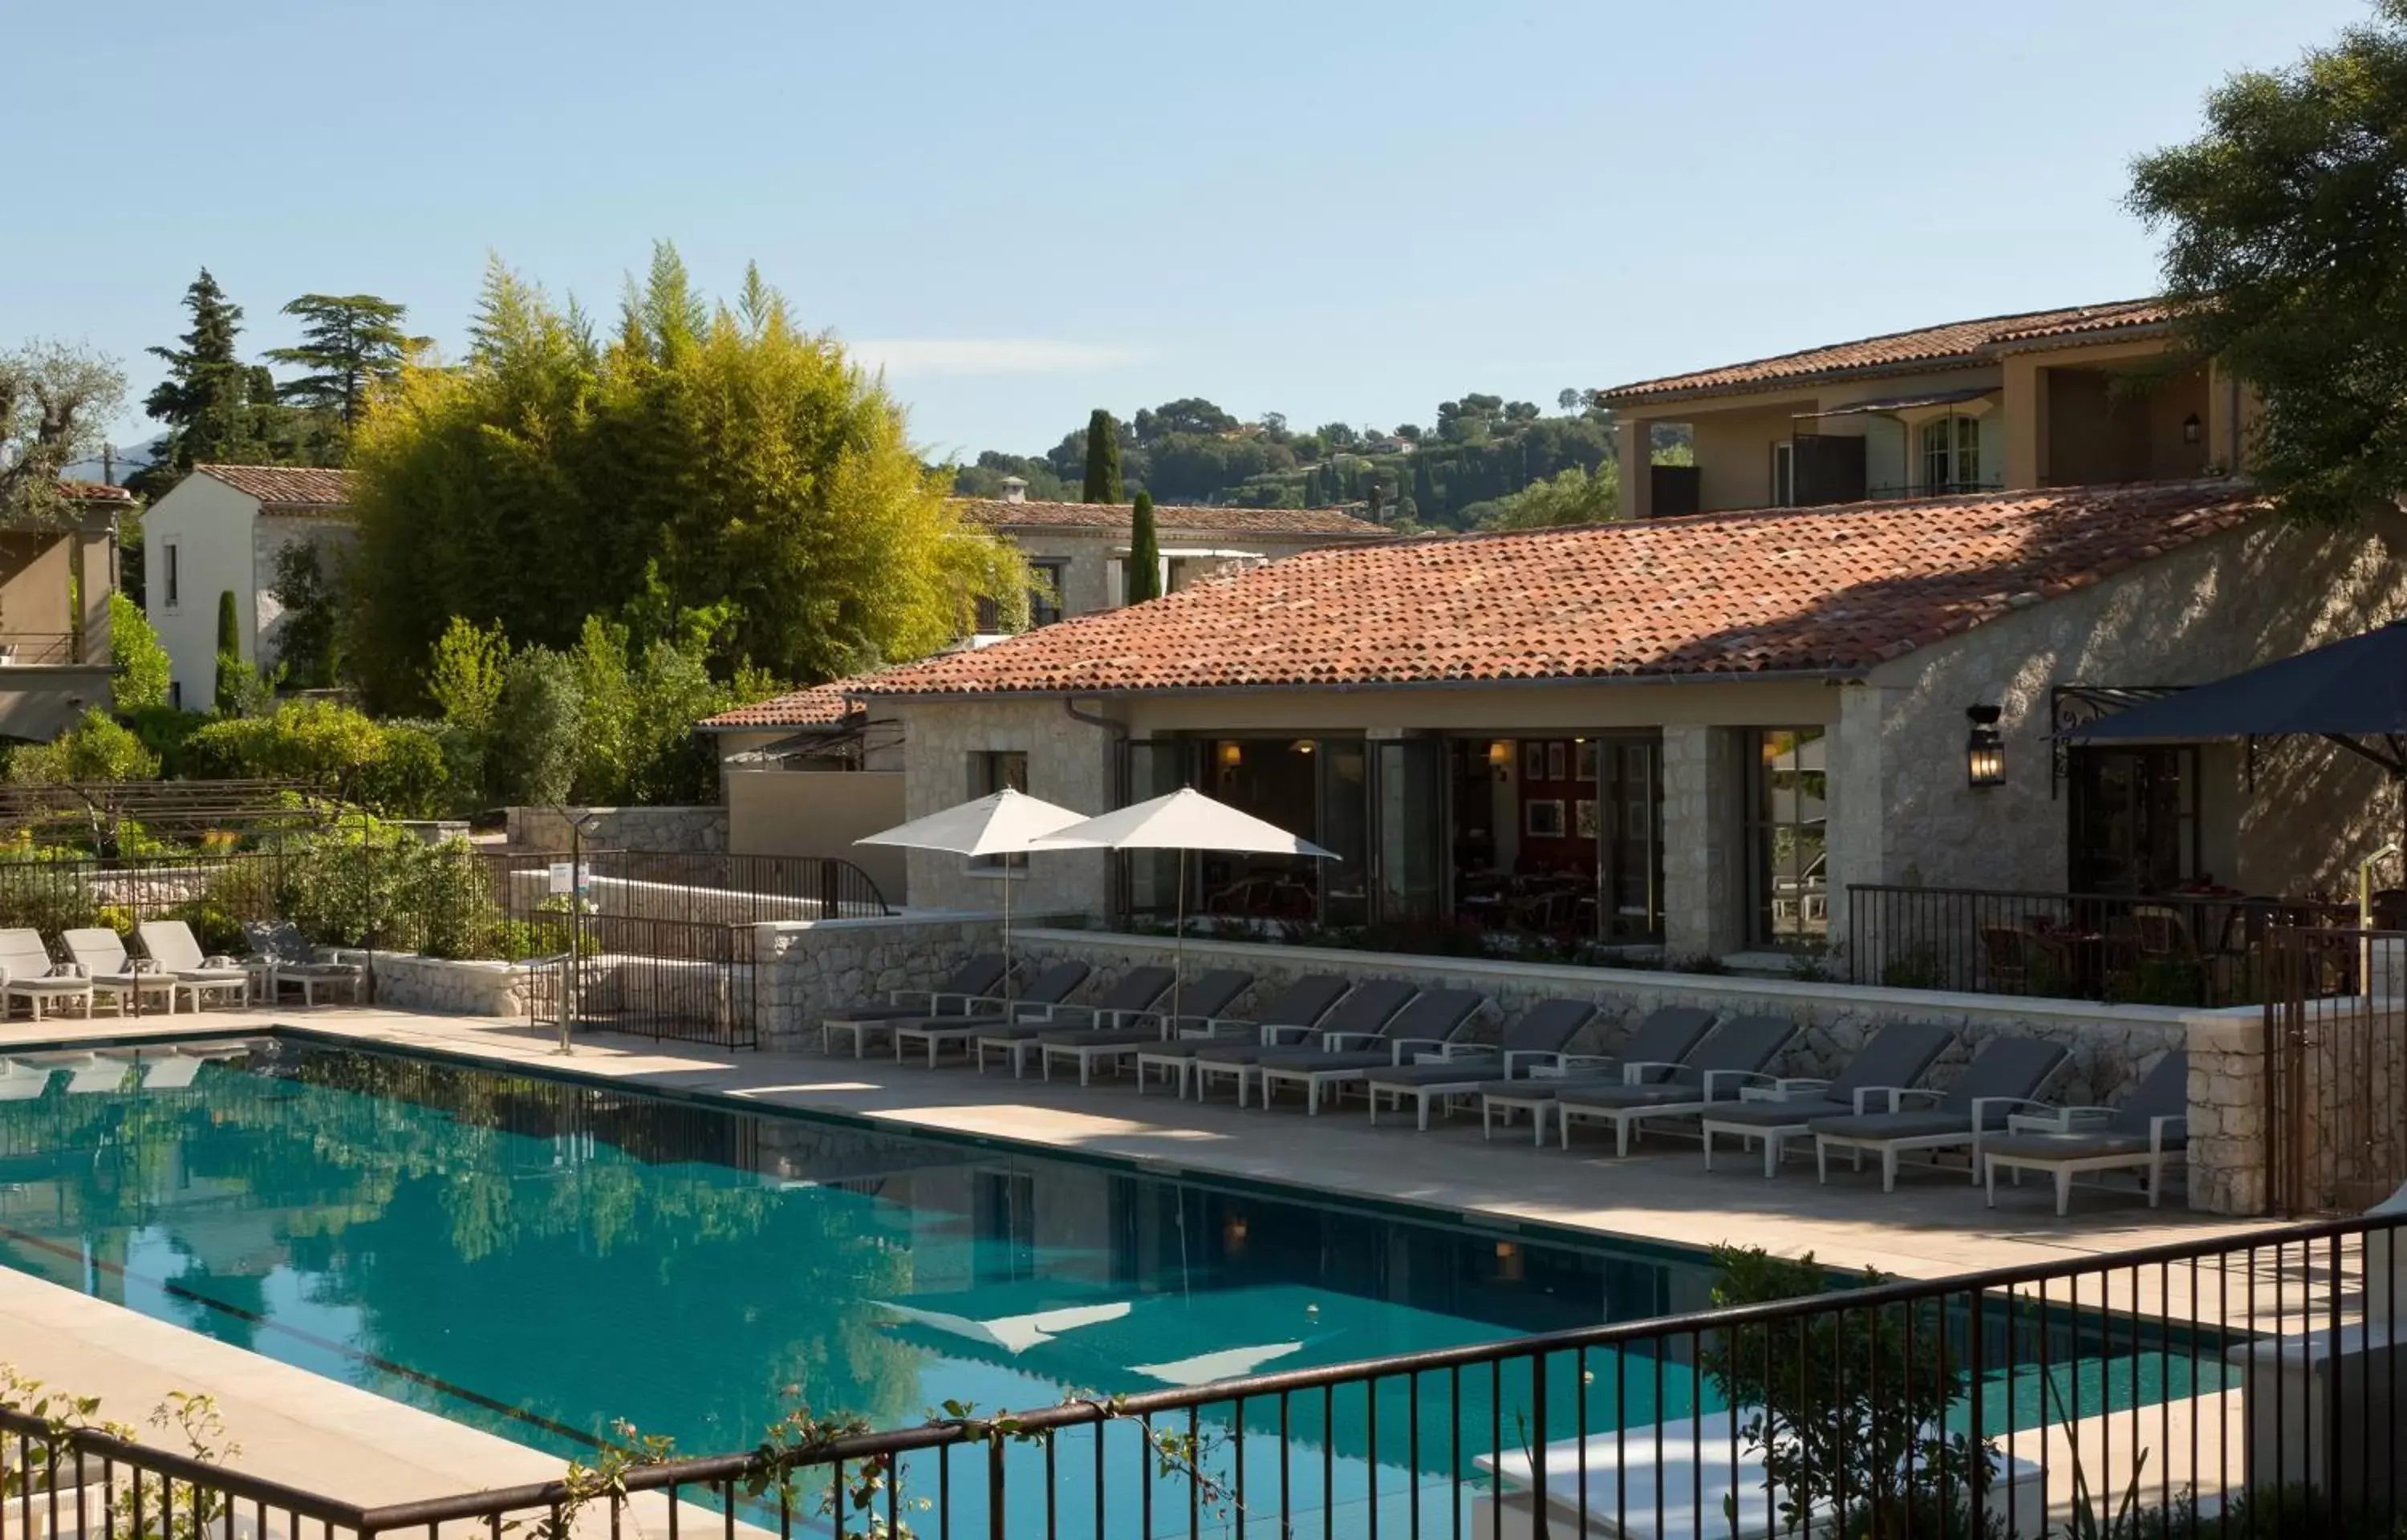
{"x": 541, "y": 1259}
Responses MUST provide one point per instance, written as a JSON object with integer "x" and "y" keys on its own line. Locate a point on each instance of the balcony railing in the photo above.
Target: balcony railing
{"x": 28, "y": 647}
{"x": 2168, "y": 948}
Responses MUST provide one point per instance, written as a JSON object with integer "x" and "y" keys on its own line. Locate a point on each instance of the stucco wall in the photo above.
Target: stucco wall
{"x": 208, "y": 525}
{"x": 2226, "y": 605}
{"x": 819, "y": 813}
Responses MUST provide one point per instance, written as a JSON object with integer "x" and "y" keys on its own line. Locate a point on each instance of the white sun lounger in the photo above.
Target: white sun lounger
{"x": 101, "y": 1072}
{"x": 21, "y": 1081}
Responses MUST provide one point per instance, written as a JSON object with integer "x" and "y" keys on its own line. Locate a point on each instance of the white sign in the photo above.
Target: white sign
{"x": 562, "y": 877}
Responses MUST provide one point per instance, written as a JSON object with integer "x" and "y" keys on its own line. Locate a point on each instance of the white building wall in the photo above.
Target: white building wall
{"x": 208, "y": 525}
{"x": 263, "y": 614}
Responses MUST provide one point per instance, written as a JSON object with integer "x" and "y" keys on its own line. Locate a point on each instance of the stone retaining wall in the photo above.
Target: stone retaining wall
{"x": 405, "y": 980}
{"x": 620, "y": 897}
{"x": 809, "y": 968}
{"x": 548, "y": 829}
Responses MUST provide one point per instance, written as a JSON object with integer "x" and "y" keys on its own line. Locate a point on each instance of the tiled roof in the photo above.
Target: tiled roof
{"x": 292, "y": 486}
{"x": 1958, "y": 340}
{"x": 93, "y": 491}
{"x": 820, "y": 706}
{"x": 1829, "y": 590}
{"x": 1110, "y": 516}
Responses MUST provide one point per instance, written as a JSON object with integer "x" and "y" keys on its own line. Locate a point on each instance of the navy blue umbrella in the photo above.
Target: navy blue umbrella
{"x": 2352, "y": 692}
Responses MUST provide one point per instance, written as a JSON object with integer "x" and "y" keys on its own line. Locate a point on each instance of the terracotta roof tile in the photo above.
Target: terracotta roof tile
{"x": 1958, "y": 340}
{"x": 1831, "y": 590}
{"x": 93, "y": 491}
{"x": 818, "y": 706}
{"x": 285, "y": 487}
{"x": 1105, "y": 516}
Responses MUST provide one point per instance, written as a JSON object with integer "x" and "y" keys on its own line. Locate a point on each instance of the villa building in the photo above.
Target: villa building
{"x": 220, "y": 530}
{"x": 55, "y": 579}
{"x": 1699, "y": 732}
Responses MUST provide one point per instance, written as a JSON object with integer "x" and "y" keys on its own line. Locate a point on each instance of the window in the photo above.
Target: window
{"x": 1951, "y": 455}
{"x": 991, "y": 771}
{"x": 2134, "y": 827}
{"x": 1784, "y": 475}
{"x": 1787, "y": 828}
{"x": 1045, "y": 595}
{"x": 172, "y": 588}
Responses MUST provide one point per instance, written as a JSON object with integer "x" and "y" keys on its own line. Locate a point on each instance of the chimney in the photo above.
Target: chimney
{"x": 1015, "y": 489}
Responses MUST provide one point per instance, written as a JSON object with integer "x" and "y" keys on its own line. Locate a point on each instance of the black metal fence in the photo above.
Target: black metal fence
{"x": 2238, "y": 1385}
{"x": 2335, "y": 1106}
{"x": 2179, "y": 950}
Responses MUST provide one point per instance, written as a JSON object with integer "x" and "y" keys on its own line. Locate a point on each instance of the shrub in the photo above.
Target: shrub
{"x": 1916, "y": 967}
{"x": 141, "y": 663}
{"x": 539, "y": 744}
{"x": 389, "y": 889}
{"x": 97, "y": 748}
{"x": 396, "y": 770}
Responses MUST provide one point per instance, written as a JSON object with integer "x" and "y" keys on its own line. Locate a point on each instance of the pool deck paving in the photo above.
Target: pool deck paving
{"x": 298, "y": 1427}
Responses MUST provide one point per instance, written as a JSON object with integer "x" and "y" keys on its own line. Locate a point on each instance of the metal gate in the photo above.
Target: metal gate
{"x": 683, "y": 981}
{"x": 2335, "y": 1079}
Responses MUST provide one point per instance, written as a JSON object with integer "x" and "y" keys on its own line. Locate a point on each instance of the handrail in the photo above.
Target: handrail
{"x": 93, "y": 1443}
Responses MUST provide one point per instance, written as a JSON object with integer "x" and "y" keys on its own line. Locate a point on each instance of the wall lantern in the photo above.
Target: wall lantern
{"x": 1985, "y": 750}
{"x": 1302, "y": 745}
{"x": 2192, "y": 430}
{"x": 1232, "y": 756}
{"x": 1499, "y": 759}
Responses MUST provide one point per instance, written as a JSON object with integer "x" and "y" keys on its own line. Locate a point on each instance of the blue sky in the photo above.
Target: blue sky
{"x": 1327, "y": 209}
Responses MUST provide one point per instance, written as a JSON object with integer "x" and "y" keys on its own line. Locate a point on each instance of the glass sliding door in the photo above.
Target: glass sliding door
{"x": 1787, "y": 826}
{"x": 1345, "y": 829}
{"x": 1630, "y": 842}
{"x": 1408, "y": 788}
{"x": 1155, "y": 768}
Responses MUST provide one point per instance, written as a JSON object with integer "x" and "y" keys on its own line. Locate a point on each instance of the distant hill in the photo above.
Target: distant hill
{"x": 122, "y": 460}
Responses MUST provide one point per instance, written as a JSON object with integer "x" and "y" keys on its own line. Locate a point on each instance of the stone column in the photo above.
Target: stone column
{"x": 1633, "y": 445}
{"x": 2228, "y": 1138}
{"x": 1700, "y": 840}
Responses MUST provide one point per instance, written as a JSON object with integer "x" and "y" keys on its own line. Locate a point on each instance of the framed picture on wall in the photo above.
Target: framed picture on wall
{"x": 1542, "y": 818}
{"x": 1584, "y": 817}
{"x": 1534, "y": 760}
{"x": 1586, "y": 760}
{"x": 1559, "y": 762}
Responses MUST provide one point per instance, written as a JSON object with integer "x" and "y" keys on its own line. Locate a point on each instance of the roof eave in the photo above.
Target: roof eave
{"x": 1626, "y": 396}
{"x": 1713, "y": 676}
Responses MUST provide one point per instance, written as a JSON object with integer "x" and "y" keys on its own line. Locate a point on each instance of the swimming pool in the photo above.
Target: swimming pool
{"x": 543, "y": 1257}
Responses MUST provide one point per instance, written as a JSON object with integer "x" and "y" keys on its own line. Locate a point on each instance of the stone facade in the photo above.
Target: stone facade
{"x": 1070, "y": 763}
{"x": 807, "y": 969}
{"x": 547, "y": 828}
{"x": 2227, "y": 1153}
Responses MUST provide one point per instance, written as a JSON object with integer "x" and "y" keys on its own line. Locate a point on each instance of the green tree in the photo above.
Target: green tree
{"x": 140, "y": 683}
{"x": 55, "y": 401}
{"x": 538, "y": 746}
{"x": 2285, "y": 261}
{"x": 742, "y": 459}
{"x": 207, "y": 400}
{"x": 1573, "y": 497}
{"x": 350, "y": 344}
{"x": 1145, "y": 552}
{"x": 465, "y": 675}
{"x": 1103, "y": 484}
{"x": 230, "y": 665}
{"x": 97, "y": 748}
{"x": 308, "y": 641}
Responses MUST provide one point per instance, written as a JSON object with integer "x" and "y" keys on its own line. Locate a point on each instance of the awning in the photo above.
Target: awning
{"x": 2352, "y": 692}
{"x": 1904, "y": 404}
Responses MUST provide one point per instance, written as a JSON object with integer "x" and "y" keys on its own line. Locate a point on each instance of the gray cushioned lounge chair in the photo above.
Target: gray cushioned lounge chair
{"x": 282, "y": 956}
{"x": 2005, "y": 1077}
{"x": 1050, "y": 987}
{"x": 973, "y": 984}
{"x": 1433, "y": 1020}
{"x": 2151, "y": 1127}
{"x": 1711, "y": 1076}
{"x": 27, "y": 974}
{"x": 1137, "y": 990}
{"x": 1200, "y": 1007}
{"x": 1665, "y": 1037}
{"x": 1365, "y": 1011}
{"x": 1894, "y": 1060}
{"x": 1298, "y": 1009}
{"x": 1536, "y": 1038}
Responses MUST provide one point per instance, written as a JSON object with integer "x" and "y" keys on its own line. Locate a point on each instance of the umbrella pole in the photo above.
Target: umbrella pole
{"x": 1178, "y": 962}
{"x": 1005, "y": 870}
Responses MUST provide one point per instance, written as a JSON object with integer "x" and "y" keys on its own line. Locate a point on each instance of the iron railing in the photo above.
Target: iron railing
{"x": 2335, "y": 1070}
{"x": 2172, "y": 948}
{"x": 2240, "y": 1384}
{"x": 707, "y": 885}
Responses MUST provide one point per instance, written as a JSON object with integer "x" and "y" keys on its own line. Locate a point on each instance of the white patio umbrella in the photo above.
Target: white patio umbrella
{"x": 1183, "y": 821}
{"x": 1003, "y": 823}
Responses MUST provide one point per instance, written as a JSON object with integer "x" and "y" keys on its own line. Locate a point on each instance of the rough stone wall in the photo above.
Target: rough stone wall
{"x": 1069, "y": 763}
{"x": 2227, "y": 1153}
{"x": 807, "y": 969}
{"x": 2228, "y": 605}
{"x": 406, "y": 981}
{"x": 2110, "y": 1046}
{"x": 547, "y": 828}
{"x": 1701, "y": 807}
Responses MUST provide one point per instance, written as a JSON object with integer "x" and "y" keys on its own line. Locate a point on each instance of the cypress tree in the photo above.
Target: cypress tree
{"x": 228, "y": 652}
{"x": 1145, "y": 552}
{"x": 1102, "y": 459}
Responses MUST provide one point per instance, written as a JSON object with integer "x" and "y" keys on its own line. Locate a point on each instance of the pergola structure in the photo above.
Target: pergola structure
{"x": 99, "y": 809}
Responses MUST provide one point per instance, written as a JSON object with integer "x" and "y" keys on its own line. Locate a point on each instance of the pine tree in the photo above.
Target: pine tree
{"x": 205, "y": 400}
{"x": 1145, "y": 552}
{"x": 351, "y": 342}
{"x": 1102, "y": 459}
